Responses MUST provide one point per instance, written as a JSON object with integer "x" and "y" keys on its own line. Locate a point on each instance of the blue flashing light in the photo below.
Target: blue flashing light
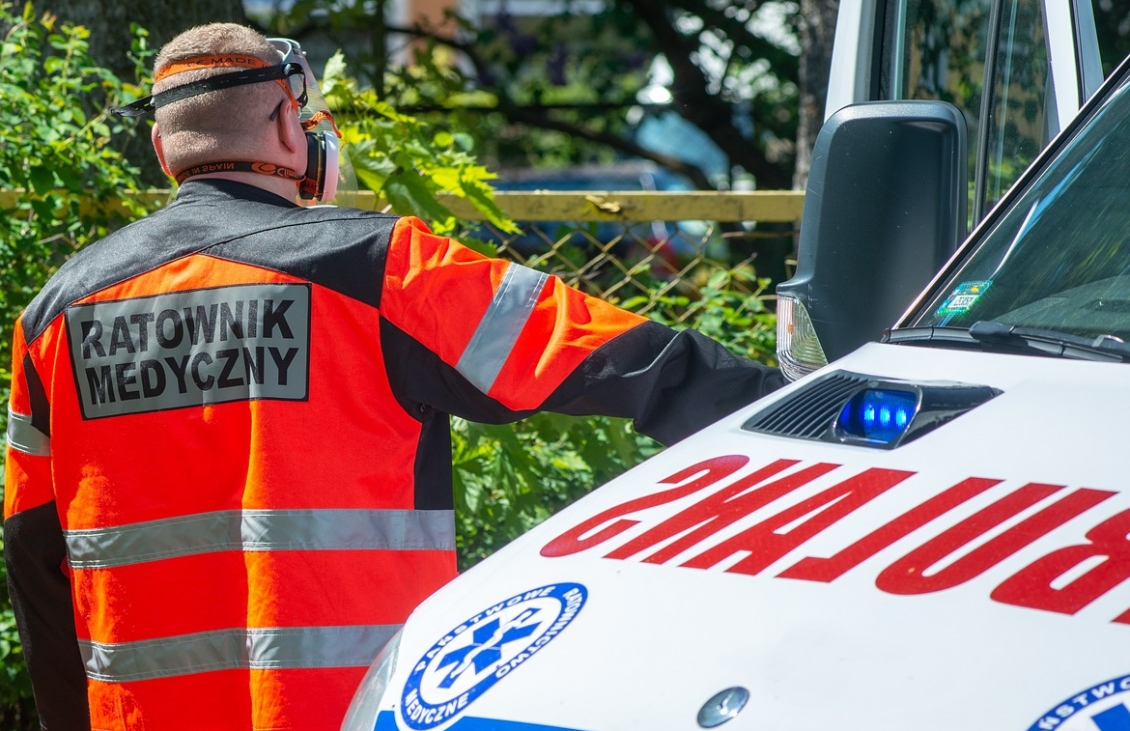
{"x": 878, "y": 415}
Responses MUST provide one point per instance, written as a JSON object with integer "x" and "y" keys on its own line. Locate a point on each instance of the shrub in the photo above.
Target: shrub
{"x": 64, "y": 175}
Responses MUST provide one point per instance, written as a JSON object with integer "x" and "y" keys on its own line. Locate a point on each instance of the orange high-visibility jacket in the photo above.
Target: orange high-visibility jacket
{"x": 228, "y": 474}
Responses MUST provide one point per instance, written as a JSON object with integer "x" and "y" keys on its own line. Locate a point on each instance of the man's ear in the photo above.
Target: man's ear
{"x": 291, "y": 140}
{"x": 159, "y": 148}
{"x": 290, "y": 132}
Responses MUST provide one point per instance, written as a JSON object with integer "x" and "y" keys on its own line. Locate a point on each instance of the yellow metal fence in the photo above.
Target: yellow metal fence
{"x": 640, "y": 249}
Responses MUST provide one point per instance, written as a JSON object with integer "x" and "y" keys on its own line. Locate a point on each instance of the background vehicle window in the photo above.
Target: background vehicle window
{"x": 939, "y": 49}
{"x": 936, "y": 49}
{"x": 1019, "y": 119}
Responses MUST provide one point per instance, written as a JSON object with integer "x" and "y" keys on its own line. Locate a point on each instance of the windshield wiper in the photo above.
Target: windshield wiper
{"x": 991, "y": 335}
{"x": 957, "y": 335}
{"x": 1051, "y": 342}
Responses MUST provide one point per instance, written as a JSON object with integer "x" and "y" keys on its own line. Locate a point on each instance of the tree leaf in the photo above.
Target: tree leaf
{"x": 409, "y": 195}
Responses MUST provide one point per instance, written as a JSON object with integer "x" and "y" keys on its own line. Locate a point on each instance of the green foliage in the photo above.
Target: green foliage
{"x": 509, "y": 478}
{"x": 56, "y": 151}
{"x": 568, "y": 86}
{"x": 729, "y": 307}
{"x": 571, "y": 78}
{"x": 397, "y": 156}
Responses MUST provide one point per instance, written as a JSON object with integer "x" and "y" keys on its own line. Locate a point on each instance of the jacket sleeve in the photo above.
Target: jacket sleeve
{"x": 494, "y": 341}
{"x": 35, "y": 555}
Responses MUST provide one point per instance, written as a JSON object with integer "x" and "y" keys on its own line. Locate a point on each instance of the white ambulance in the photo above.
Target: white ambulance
{"x": 931, "y": 532}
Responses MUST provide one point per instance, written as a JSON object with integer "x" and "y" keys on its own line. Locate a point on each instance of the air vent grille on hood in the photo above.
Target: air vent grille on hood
{"x": 852, "y": 408}
{"x": 809, "y": 412}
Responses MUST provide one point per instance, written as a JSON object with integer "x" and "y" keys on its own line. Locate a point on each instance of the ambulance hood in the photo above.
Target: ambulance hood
{"x": 970, "y": 578}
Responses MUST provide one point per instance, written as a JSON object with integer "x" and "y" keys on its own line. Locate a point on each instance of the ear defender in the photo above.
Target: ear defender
{"x": 322, "y": 163}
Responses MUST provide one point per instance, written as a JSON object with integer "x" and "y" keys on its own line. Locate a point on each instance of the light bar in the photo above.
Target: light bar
{"x": 877, "y": 416}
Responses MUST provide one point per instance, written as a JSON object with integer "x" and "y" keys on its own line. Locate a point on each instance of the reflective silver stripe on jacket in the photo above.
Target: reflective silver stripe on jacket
{"x": 500, "y": 327}
{"x": 262, "y": 530}
{"x": 236, "y": 649}
{"x": 23, "y": 437}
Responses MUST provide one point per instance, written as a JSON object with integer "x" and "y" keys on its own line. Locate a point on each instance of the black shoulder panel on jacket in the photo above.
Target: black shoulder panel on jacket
{"x": 342, "y": 249}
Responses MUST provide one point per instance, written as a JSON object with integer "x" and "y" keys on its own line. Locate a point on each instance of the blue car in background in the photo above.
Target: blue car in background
{"x": 668, "y": 239}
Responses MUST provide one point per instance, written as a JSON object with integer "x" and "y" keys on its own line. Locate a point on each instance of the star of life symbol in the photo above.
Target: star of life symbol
{"x": 472, "y": 657}
{"x": 1103, "y": 707}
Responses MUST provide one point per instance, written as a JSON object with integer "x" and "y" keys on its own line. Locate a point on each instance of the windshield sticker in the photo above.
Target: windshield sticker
{"x": 962, "y": 299}
{"x": 468, "y": 660}
{"x": 1100, "y": 708}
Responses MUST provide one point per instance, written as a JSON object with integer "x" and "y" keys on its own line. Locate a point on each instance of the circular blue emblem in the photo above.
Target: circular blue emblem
{"x": 486, "y": 648}
{"x": 1102, "y": 707}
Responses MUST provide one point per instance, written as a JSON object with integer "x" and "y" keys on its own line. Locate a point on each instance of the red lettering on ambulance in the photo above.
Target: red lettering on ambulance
{"x": 707, "y": 472}
{"x": 827, "y": 569}
{"x": 717, "y": 511}
{"x": 1031, "y": 586}
{"x": 765, "y": 544}
{"x": 907, "y": 575}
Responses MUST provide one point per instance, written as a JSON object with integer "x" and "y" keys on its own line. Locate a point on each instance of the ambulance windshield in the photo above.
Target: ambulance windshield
{"x": 1059, "y": 258}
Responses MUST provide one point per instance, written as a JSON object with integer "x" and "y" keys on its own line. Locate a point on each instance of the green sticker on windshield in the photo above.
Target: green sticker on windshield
{"x": 962, "y": 299}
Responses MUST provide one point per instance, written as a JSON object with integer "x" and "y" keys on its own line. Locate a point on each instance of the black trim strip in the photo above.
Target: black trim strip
{"x": 37, "y": 395}
{"x": 34, "y": 552}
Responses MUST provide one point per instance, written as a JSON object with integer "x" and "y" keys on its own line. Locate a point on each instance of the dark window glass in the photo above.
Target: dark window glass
{"x": 1059, "y": 258}
{"x": 1019, "y": 125}
{"x": 936, "y": 49}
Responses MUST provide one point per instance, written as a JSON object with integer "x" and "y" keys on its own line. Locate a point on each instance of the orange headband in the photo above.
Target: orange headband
{"x": 207, "y": 62}
{"x": 197, "y": 63}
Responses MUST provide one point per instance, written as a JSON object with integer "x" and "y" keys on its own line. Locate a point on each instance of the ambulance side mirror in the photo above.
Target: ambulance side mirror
{"x": 884, "y": 210}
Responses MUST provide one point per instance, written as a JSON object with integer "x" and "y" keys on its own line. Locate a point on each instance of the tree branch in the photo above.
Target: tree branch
{"x": 693, "y": 101}
{"x": 737, "y": 32}
{"x": 535, "y": 116}
{"x": 698, "y": 105}
{"x": 531, "y": 118}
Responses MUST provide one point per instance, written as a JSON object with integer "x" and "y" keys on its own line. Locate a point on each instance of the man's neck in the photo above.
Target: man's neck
{"x": 281, "y": 187}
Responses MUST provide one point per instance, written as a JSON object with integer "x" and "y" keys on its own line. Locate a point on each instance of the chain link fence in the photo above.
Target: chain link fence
{"x": 653, "y": 253}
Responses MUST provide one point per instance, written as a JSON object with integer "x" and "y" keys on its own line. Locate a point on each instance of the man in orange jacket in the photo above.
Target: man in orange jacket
{"x": 228, "y": 469}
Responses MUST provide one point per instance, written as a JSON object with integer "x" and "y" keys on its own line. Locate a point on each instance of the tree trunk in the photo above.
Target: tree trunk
{"x": 109, "y": 23}
{"x": 817, "y": 30}
{"x": 110, "y": 39}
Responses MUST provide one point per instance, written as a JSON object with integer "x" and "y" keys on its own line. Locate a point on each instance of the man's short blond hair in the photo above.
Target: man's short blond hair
{"x": 218, "y": 125}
